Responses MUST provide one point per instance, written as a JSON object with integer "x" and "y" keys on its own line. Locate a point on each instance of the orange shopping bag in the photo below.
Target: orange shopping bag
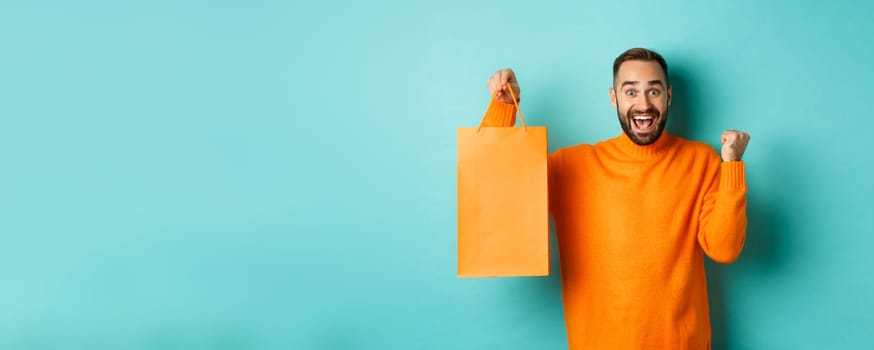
{"x": 503, "y": 219}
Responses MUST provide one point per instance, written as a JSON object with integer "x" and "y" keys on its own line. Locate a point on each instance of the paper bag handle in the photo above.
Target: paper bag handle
{"x": 518, "y": 110}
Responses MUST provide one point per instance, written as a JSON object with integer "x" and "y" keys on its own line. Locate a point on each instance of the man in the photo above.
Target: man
{"x": 634, "y": 214}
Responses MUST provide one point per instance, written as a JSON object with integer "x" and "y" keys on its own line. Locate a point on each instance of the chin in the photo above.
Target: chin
{"x": 648, "y": 138}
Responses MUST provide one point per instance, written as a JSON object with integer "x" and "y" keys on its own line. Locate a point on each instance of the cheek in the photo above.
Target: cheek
{"x": 623, "y": 109}
{"x": 623, "y": 104}
{"x": 662, "y": 105}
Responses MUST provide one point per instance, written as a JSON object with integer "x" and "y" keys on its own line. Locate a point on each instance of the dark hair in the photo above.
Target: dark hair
{"x": 640, "y": 54}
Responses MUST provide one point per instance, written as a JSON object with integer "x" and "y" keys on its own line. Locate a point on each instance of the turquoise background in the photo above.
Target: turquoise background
{"x": 281, "y": 175}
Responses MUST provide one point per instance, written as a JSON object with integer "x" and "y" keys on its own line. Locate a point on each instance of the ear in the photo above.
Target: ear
{"x": 613, "y": 97}
{"x": 670, "y": 94}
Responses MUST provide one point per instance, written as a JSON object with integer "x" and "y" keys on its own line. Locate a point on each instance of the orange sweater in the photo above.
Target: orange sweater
{"x": 632, "y": 223}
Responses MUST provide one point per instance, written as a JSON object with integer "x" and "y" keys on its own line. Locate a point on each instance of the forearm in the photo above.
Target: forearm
{"x": 500, "y": 114}
{"x": 724, "y": 222}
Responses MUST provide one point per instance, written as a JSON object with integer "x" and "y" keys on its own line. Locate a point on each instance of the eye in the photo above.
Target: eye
{"x": 630, "y": 93}
{"x": 654, "y": 92}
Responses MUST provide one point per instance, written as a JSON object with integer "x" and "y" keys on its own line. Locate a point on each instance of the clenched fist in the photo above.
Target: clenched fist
{"x": 498, "y": 82}
{"x": 734, "y": 143}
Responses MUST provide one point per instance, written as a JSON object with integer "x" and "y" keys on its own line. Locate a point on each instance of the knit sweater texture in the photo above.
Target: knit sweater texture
{"x": 633, "y": 223}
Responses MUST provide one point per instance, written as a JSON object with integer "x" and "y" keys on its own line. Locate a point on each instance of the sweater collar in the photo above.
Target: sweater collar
{"x": 627, "y": 146}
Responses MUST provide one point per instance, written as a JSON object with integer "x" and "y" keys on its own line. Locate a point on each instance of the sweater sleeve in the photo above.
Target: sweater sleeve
{"x": 500, "y": 114}
{"x": 723, "y": 215}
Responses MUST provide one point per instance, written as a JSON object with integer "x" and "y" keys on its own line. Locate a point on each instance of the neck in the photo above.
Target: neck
{"x": 642, "y": 152}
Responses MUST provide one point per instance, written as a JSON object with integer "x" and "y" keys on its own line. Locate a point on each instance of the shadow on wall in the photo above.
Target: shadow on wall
{"x": 766, "y": 226}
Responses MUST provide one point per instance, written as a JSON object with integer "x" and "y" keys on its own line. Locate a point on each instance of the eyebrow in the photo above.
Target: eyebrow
{"x": 651, "y": 82}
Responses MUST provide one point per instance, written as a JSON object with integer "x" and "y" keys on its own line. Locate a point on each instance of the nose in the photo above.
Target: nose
{"x": 647, "y": 101}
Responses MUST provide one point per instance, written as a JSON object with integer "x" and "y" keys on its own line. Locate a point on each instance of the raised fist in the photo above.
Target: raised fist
{"x": 734, "y": 143}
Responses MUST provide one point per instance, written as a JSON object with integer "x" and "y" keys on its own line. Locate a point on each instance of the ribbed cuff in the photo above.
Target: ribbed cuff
{"x": 500, "y": 114}
{"x": 731, "y": 176}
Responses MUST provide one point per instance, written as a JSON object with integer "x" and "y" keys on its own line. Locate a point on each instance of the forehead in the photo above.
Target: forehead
{"x": 641, "y": 71}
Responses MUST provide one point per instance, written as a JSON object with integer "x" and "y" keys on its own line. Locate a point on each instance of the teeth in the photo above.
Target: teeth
{"x": 642, "y": 117}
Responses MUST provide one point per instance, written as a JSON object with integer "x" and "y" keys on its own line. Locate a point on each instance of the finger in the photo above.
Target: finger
{"x": 504, "y": 76}
{"x": 515, "y": 88}
{"x": 498, "y": 91}
{"x": 507, "y": 76}
{"x": 494, "y": 82}
{"x": 503, "y": 97}
{"x": 508, "y": 90}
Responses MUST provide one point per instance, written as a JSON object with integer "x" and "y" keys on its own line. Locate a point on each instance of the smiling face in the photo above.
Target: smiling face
{"x": 641, "y": 96}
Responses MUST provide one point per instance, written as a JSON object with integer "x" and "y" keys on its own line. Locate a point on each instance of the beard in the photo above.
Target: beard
{"x": 647, "y": 138}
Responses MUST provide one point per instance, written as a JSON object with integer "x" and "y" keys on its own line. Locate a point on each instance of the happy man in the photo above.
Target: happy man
{"x": 635, "y": 214}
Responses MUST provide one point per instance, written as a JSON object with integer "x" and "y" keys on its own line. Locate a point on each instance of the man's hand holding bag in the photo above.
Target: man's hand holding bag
{"x": 503, "y": 219}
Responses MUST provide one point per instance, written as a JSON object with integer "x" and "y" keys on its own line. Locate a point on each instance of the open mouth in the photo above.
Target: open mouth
{"x": 643, "y": 122}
